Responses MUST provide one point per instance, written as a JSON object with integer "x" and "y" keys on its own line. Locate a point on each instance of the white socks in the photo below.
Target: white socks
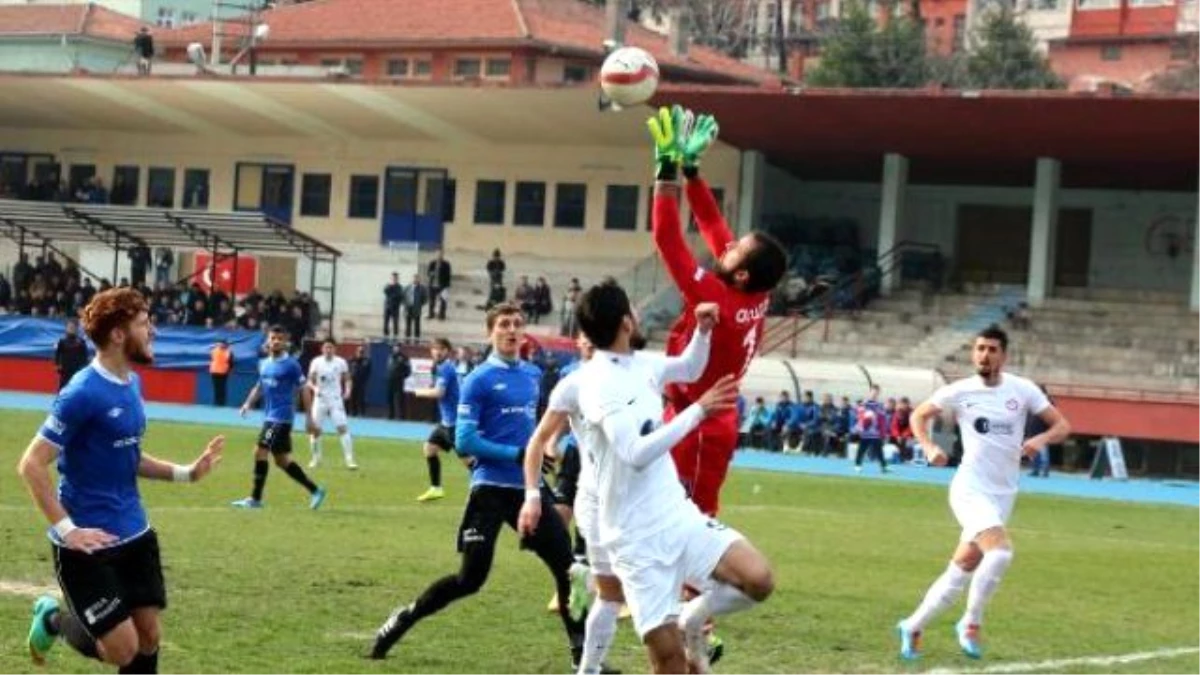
{"x": 314, "y": 445}
{"x": 347, "y": 448}
{"x": 941, "y": 595}
{"x": 720, "y": 599}
{"x": 598, "y": 636}
{"x": 987, "y": 577}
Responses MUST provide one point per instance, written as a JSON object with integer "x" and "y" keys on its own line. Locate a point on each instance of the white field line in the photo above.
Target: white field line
{"x": 1062, "y": 664}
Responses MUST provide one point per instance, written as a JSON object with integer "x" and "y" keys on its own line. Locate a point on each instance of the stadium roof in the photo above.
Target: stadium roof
{"x": 80, "y": 19}
{"x": 566, "y": 27}
{"x": 953, "y": 137}
{"x": 126, "y": 226}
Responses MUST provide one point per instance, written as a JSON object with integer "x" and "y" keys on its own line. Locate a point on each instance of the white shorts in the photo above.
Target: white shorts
{"x": 653, "y": 569}
{"x": 587, "y": 521}
{"x": 977, "y": 511}
{"x": 334, "y": 411}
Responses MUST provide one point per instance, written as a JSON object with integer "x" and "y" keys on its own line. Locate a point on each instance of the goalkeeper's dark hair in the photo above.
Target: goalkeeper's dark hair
{"x": 766, "y": 263}
{"x": 600, "y": 311}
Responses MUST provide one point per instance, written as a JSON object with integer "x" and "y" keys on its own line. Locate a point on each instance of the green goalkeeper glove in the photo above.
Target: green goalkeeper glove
{"x": 698, "y": 135}
{"x": 664, "y": 130}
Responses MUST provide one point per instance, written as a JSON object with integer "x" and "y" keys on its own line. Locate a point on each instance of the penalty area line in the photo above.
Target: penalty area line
{"x": 1060, "y": 664}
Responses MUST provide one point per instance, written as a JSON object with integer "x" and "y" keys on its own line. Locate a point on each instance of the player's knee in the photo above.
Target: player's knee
{"x": 471, "y": 580}
{"x": 968, "y": 558}
{"x": 759, "y": 583}
{"x": 149, "y": 636}
{"x": 120, "y": 646}
{"x": 282, "y": 461}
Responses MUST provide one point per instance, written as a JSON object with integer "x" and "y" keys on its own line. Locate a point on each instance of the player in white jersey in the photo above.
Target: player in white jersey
{"x": 991, "y": 409}
{"x": 330, "y": 386}
{"x": 656, "y": 537}
{"x": 561, "y": 411}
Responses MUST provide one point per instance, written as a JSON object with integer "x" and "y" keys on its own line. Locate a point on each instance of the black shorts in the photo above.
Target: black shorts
{"x": 489, "y": 507}
{"x": 276, "y": 437}
{"x": 442, "y": 436}
{"x": 102, "y": 589}
{"x": 566, "y": 485}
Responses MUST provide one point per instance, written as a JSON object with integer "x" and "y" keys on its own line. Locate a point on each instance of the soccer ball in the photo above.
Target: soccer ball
{"x": 629, "y": 76}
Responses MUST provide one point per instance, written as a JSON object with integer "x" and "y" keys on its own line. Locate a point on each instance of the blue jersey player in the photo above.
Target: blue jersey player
{"x": 279, "y": 378}
{"x": 106, "y": 555}
{"x": 495, "y": 420}
{"x": 445, "y": 391}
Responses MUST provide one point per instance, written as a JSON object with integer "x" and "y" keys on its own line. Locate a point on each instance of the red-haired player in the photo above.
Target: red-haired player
{"x": 743, "y": 274}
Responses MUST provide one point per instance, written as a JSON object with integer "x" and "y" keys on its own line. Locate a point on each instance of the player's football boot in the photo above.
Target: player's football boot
{"x": 40, "y": 637}
{"x": 317, "y": 499}
{"x": 432, "y": 494}
{"x": 391, "y": 631}
{"x": 968, "y": 639}
{"x": 247, "y": 503}
{"x": 716, "y": 649}
{"x": 910, "y": 642}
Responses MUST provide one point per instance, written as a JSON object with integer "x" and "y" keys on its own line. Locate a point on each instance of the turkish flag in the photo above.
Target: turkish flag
{"x": 247, "y": 273}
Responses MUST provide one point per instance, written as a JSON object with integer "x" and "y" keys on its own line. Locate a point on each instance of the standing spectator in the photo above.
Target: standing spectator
{"x": 464, "y": 363}
{"x": 360, "y": 375}
{"x": 164, "y": 260}
{"x": 70, "y": 354}
{"x": 872, "y": 423}
{"x": 812, "y": 425}
{"x": 438, "y": 278}
{"x": 779, "y": 420}
{"x": 22, "y": 273}
{"x": 393, "y": 297}
{"x": 567, "y": 324}
{"x": 901, "y": 429}
{"x": 543, "y": 302}
{"x": 399, "y": 369}
{"x": 495, "y": 268}
{"x": 828, "y": 414}
{"x": 143, "y": 46}
{"x": 525, "y": 298}
{"x": 1034, "y": 426}
{"x": 6, "y": 293}
{"x": 220, "y": 364}
{"x": 415, "y": 297}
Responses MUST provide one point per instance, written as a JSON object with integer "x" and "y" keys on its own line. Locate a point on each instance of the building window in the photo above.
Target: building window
{"x": 397, "y": 67}
{"x": 570, "y": 205}
{"x": 422, "y": 68}
{"x": 188, "y": 18}
{"x": 364, "y": 197}
{"x": 499, "y": 68}
{"x": 530, "y": 207}
{"x": 166, "y": 17}
{"x": 195, "y": 189}
{"x": 1046, "y": 5}
{"x": 1110, "y": 53}
{"x": 314, "y": 194}
{"x": 1181, "y": 50}
{"x": 822, "y": 10}
{"x": 353, "y": 65}
{"x": 620, "y": 208}
{"x": 489, "y": 202}
{"x": 125, "y": 184}
{"x": 960, "y": 32}
{"x": 160, "y": 187}
{"x": 449, "y": 195}
{"x": 1096, "y": 4}
{"x": 574, "y": 73}
{"x": 1149, "y": 3}
{"x": 467, "y": 68}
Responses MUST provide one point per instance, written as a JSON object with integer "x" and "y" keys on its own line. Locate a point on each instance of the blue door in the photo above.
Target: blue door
{"x": 413, "y": 206}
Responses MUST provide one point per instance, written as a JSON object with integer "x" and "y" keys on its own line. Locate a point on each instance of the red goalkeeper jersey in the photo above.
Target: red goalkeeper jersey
{"x": 736, "y": 337}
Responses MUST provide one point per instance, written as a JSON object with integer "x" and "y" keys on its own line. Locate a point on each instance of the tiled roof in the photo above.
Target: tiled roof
{"x": 83, "y": 19}
{"x": 569, "y": 24}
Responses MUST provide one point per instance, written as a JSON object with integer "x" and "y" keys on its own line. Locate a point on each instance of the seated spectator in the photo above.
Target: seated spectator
{"x": 524, "y": 295}
{"x": 756, "y": 426}
{"x": 779, "y": 420}
{"x": 901, "y": 432}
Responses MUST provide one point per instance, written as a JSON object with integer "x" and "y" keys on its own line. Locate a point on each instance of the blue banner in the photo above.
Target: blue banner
{"x": 175, "y": 347}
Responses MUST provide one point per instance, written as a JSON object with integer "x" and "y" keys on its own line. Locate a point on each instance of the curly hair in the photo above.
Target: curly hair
{"x": 110, "y": 309}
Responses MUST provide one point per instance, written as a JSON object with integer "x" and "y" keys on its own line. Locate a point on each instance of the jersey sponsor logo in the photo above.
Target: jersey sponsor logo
{"x": 500, "y": 386}
{"x": 752, "y": 314}
{"x": 127, "y": 441}
{"x": 527, "y": 409}
{"x": 464, "y": 409}
{"x": 985, "y": 426}
{"x": 54, "y": 424}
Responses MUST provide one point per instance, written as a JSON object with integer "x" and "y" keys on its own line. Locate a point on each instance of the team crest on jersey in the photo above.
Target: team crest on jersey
{"x": 1012, "y": 404}
{"x": 115, "y": 412}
